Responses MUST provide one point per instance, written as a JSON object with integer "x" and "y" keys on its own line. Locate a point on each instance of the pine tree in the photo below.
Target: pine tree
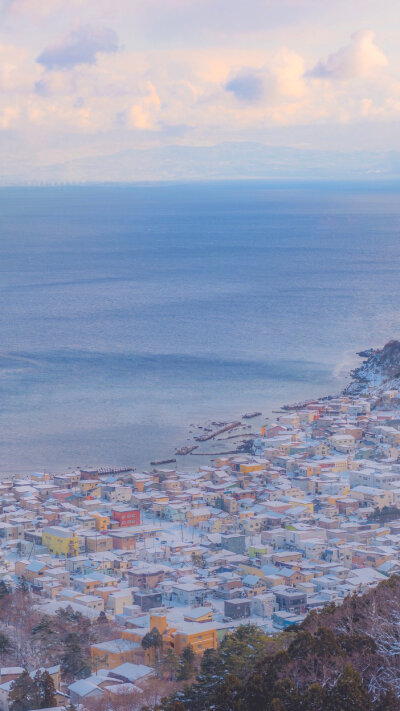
{"x": 388, "y": 702}
{"x": 228, "y": 695}
{"x": 286, "y": 692}
{"x": 314, "y": 698}
{"x": 45, "y": 634}
{"x": 22, "y": 586}
{"x": 277, "y": 705}
{"x": 170, "y": 663}
{"x": 211, "y": 672}
{"x": 348, "y": 693}
{"x": 186, "y": 664}
{"x": 152, "y": 639}
{"x": 255, "y": 693}
{"x": 24, "y": 693}
{"x": 46, "y": 688}
{"x": 3, "y": 589}
{"x": 5, "y": 644}
{"x": 72, "y": 661}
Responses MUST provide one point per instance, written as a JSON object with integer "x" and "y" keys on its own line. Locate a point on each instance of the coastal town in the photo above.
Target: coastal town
{"x": 167, "y": 562}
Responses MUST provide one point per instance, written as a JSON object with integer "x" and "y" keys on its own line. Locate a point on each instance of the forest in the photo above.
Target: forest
{"x": 343, "y": 658}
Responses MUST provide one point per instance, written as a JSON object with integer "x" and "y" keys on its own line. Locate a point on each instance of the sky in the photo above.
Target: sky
{"x": 82, "y": 79}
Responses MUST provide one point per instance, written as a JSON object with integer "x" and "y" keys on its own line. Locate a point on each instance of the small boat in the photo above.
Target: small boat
{"x": 249, "y": 415}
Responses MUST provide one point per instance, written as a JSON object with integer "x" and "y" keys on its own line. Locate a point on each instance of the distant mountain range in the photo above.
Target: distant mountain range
{"x": 222, "y": 161}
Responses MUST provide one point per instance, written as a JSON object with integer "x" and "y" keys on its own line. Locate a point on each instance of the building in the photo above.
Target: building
{"x": 60, "y": 541}
{"x": 126, "y": 516}
{"x": 237, "y": 608}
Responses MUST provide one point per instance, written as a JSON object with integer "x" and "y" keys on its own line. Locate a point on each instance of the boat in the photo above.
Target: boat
{"x": 249, "y": 415}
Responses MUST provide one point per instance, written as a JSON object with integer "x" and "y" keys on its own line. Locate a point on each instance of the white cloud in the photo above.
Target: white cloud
{"x": 144, "y": 114}
{"x": 359, "y": 59}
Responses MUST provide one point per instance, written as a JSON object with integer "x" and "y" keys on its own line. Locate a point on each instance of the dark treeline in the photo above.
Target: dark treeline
{"x": 344, "y": 658}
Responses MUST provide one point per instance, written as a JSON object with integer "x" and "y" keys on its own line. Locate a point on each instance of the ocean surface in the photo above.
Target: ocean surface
{"x": 129, "y": 313}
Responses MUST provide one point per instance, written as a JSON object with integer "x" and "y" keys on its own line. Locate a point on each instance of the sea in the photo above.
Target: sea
{"x": 129, "y": 314}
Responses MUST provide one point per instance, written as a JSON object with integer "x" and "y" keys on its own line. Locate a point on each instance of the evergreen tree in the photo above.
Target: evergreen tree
{"x": 152, "y": 639}
{"x": 72, "y": 661}
{"x": 24, "y": 693}
{"x": 102, "y": 618}
{"x": 228, "y": 695}
{"x": 277, "y": 705}
{"x": 256, "y": 693}
{"x": 22, "y": 586}
{"x": 170, "y": 663}
{"x": 348, "y": 693}
{"x": 46, "y": 689}
{"x": 388, "y": 702}
{"x": 45, "y": 634}
{"x": 210, "y": 674}
{"x": 5, "y": 644}
{"x": 286, "y": 692}
{"x": 186, "y": 664}
{"x": 3, "y": 589}
{"x": 314, "y": 698}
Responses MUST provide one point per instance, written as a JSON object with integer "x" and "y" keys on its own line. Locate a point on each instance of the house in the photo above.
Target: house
{"x": 253, "y": 585}
{"x": 14, "y": 673}
{"x": 290, "y": 600}
{"x": 188, "y": 593}
{"x": 30, "y": 570}
{"x": 113, "y": 653}
{"x": 146, "y": 577}
{"x": 263, "y": 605}
{"x": 60, "y": 541}
{"x": 125, "y": 515}
{"x": 178, "y": 635}
{"x": 147, "y": 600}
{"x": 237, "y": 608}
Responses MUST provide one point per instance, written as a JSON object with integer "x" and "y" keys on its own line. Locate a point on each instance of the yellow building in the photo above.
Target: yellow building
{"x": 313, "y": 469}
{"x": 89, "y": 487}
{"x": 102, "y": 522}
{"x": 199, "y": 635}
{"x": 113, "y": 653}
{"x": 251, "y": 467}
{"x": 197, "y": 516}
{"x": 60, "y": 541}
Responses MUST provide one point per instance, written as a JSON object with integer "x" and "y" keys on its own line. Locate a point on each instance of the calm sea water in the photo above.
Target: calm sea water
{"x": 127, "y": 313}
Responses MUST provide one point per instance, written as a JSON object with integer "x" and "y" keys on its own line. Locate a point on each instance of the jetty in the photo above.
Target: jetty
{"x": 162, "y": 461}
{"x": 215, "y": 433}
{"x": 182, "y": 451}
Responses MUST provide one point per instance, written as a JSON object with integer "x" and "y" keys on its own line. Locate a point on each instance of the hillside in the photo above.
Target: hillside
{"x": 344, "y": 658}
{"x": 379, "y": 371}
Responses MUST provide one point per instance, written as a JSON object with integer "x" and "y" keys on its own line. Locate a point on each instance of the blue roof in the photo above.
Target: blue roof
{"x": 132, "y": 672}
{"x": 250, "y": 579}
{"x": 35, "y": 566}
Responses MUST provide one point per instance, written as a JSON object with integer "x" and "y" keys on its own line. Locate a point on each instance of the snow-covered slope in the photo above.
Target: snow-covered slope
{"x": 379, "y": 371}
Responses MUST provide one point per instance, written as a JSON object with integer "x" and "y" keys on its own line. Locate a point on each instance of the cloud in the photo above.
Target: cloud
{"x": 81, "y": 46}
{"x": 247, "y": 85}
{"x": 144, "y": 114}
{"x": 360, "y": 58}
{"x": 282, "y": 78}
